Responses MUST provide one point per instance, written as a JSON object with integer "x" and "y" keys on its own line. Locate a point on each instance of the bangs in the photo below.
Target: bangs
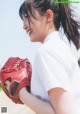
{"x": 26, "y": 8}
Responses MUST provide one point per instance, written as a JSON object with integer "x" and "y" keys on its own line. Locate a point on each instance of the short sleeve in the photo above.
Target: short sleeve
{"x": 52, "y": 70}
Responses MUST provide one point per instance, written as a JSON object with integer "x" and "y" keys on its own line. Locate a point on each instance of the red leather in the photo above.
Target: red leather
{"x": 19, "y": 70}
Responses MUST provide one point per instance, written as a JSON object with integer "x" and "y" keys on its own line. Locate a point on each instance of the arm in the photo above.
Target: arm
{"x": 37, "y": 105}
{"x": 61, "y": 101}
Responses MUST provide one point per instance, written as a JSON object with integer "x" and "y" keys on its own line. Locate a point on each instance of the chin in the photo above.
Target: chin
{"x": 33, "y": 39}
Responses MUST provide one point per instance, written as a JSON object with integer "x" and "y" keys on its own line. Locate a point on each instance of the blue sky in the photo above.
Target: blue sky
{"x": 13, "y": 39}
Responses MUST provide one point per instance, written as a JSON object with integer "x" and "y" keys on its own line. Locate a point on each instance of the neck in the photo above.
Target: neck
{"x": 48, "y": 32}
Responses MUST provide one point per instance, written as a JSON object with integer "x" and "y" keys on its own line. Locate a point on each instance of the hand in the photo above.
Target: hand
{"x": 14, "y": 75}
{"x": 7, "y": 85}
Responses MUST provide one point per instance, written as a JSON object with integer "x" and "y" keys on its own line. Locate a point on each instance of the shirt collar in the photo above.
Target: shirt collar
{"x": 52, "y": 35}
{"x": 57, "y": 35}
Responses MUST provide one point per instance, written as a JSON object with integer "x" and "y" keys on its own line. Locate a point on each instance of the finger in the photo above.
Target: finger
{"x": 14, "y": 87}
{"x": 7, "y": 85}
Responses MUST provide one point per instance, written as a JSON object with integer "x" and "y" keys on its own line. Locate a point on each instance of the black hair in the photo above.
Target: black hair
{"x": 62, "y": 16}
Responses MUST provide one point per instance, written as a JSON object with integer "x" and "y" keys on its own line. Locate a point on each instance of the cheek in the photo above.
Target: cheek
{"x": 36, "y": 35}
{"x": 38, "y": 30}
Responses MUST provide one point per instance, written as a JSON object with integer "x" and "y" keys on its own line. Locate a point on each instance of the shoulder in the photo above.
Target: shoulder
{"x": 55, "y": 48}
{"x": 55, "y": 51}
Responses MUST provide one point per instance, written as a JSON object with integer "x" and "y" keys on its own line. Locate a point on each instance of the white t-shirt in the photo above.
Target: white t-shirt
{"x": 55, "y": 66}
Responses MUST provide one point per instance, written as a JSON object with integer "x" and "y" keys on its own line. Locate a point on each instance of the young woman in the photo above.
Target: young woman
{"x": 55, "y": 83}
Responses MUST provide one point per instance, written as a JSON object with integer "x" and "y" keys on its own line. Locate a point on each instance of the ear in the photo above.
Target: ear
{"x": 49, "y": 15}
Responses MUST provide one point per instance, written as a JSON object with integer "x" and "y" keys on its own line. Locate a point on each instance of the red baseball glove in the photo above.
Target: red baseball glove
{"x": 18, "y": 72}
